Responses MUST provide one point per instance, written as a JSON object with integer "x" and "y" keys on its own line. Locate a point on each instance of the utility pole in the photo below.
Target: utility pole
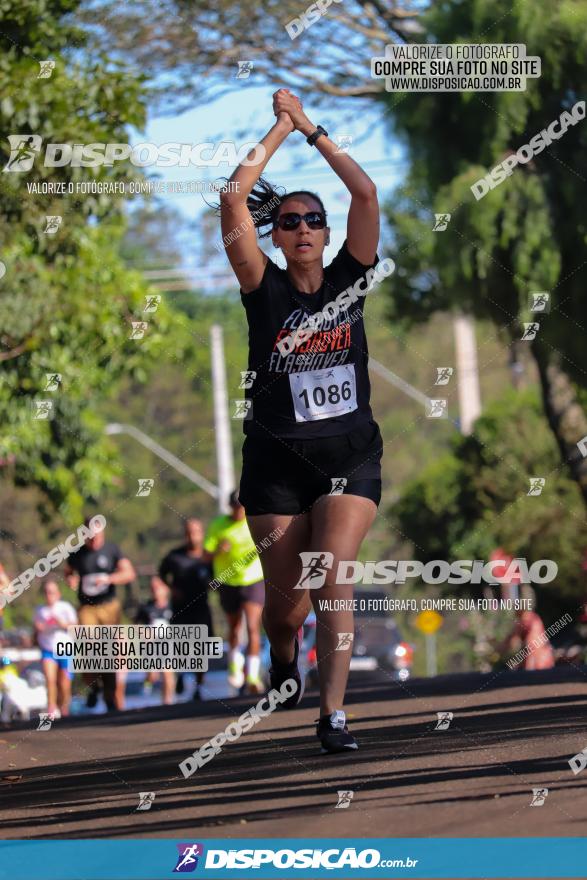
{"x": 166, "y": 456}
{"x": 467, "y": 372}
{"x": 224, "y": 462}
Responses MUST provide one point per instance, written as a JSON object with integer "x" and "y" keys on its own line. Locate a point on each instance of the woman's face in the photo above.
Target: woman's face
{"x": 52, "y": 593}
{"x": 301, "y": 245}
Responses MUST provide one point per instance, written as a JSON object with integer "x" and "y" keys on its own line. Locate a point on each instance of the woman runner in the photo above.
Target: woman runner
{"x": 312, "y": 451}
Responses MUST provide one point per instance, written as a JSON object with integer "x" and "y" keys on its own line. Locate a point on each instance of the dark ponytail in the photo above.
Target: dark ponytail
{"x": 265, "y": 200}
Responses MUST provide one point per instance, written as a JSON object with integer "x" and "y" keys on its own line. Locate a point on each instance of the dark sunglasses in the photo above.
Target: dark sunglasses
{"x": 290, "y": 220}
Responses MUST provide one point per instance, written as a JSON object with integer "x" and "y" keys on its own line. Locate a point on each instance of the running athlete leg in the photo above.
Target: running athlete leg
{"x": 285, "y": 608}
{"x": 236, "y": 660}
{"x": 63, "y": 691}
{"x": 253, "y": 612}
{"x": 339, "y": 525}
{"x": 50, "y": 673}
{"x": 233, "y": 618}
{"x": 168, "y": 688}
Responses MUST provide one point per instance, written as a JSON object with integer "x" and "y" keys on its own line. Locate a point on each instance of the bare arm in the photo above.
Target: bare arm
{"x": 244, "y": 254}
{"x": 363, "y": 216}
{"x": 123, "y": 574}
{"x": 71, "y": 577}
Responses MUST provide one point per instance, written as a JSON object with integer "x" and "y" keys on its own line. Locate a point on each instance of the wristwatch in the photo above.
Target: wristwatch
{"x": 315, "y": 135}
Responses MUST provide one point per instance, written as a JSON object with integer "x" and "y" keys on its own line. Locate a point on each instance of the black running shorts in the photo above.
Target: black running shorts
{"x": 288, "y": 476}
{"x": 231, "y": 598}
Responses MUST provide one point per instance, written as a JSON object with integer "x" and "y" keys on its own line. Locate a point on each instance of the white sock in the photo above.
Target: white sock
{"x": 253, "y": 666}
{"x": 236, "y": 656}
{"x": 338, "y": 719}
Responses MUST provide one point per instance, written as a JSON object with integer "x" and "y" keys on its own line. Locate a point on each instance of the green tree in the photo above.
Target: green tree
{"x": 67, "y": 302}
{"x": 529, "y": 232}
{"x": 475, "y": 499}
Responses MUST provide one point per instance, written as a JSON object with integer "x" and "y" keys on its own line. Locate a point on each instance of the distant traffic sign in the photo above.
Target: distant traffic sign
{"x": 429, "y": 621}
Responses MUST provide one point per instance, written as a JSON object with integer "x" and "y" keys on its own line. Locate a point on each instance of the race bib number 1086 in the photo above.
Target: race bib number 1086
{"x": 323, "y": 394}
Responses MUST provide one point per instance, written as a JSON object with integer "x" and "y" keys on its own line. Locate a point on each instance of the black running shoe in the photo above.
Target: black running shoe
{"x": 281, "y": 672}
{"x": 334, "y": 735}
{"x": 92, "y": 698}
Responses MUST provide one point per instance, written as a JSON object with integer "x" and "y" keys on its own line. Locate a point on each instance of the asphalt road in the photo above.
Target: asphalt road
{"x": 510, "y": 733}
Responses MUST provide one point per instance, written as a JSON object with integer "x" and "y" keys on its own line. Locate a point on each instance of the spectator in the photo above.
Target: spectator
{"x": 51, "y": 621}
{"x": 95, "y": 570}
{"x": 529, "y": 632}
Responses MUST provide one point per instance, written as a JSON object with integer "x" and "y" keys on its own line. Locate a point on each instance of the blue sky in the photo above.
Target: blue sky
{"x": 245, "y": 115}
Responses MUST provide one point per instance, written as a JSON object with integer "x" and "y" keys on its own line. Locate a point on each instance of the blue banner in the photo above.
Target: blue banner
{"x": 154, "y": 859}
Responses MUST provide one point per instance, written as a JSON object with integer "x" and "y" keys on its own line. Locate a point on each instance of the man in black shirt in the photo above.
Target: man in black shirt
{"x": 186, "y": 569}
{"x": 95, "y": 570}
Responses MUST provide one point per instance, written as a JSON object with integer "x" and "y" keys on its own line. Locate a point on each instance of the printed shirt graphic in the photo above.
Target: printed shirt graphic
{"x": 52, "y": 616}
{"x": 89, "y": 563}
{"x": 321, "y": 388}
{"x": 240, "y": 565}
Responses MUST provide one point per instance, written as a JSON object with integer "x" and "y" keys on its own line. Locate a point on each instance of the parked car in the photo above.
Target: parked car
{"x": 377, "y": 643}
